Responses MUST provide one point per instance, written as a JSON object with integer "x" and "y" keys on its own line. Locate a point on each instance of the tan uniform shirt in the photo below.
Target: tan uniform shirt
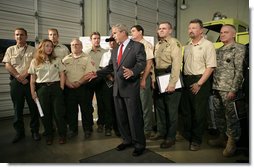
{"x": 19, "y": 57}
{"x": 169, "y": 52}
{"x": 61, "y": 51}
{"x": 76, "y": 68}
{"x": 47, "y": 72}
{"x": 96, "y": 56}
{"x": 199, "y": 57}
{"x": 148, "y": 49}
{"x": 149, "y": 54}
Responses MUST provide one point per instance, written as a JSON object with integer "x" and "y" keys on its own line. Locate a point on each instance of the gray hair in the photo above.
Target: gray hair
{"x": 121, "y": 28}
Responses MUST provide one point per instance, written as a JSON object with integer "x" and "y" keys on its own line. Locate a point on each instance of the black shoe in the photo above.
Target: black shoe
{"x": 108, "y": 132}
{"x": 44, "y": 134}
{"x": 72, "y": 134}
{"x": 62, "y": 140}
{"x": 138, "y": 152}
{"x": 157, "y": 136}
{"x": 49, "y": 141}
{"x": 36, "y": 136}
{"x": 167, "y": 144}
{"x": 117, "y": 133}
{"x": 212, "y": 131}
{"x": 18, "y": 137}
{"x": 87, "y": 134}
{"x": 100, "y": 129}
{"x": 122, "y": 146}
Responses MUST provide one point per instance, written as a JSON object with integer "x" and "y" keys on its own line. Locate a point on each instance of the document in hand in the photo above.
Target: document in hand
{"x": 39, "y": 107}
{"x": 163, "y": 81}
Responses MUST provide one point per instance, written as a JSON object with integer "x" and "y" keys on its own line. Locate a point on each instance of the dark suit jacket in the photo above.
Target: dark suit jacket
{"x": 134, "y": 58}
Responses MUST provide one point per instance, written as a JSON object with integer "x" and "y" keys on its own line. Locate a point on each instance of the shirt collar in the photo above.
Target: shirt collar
{"x": 167, "y": 39}
{"x": 98, "y": 49}
{"x": 200, "y": 41}
{"x": 125, "y": 43}
{"x": 22, "y": 46}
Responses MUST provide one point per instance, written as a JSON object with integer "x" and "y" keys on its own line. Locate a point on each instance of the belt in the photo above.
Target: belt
{"x": 189, "y": 76}
{"x": 160, "y": 70}
{"x": 48, "y": 83}
{"x": 12, "y": 77}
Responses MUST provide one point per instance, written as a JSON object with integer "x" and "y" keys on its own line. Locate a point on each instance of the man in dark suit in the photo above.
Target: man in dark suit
{"x": 126, "y": 91}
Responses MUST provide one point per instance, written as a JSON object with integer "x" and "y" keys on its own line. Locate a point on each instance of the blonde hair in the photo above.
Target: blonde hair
{"x": 39, "y": 54}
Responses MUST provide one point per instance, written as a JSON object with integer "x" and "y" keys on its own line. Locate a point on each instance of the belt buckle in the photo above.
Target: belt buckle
{"x": 48, "y": 83}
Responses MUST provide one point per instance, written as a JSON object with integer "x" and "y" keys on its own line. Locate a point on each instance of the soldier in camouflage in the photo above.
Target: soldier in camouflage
{"x": 227, "y": 80}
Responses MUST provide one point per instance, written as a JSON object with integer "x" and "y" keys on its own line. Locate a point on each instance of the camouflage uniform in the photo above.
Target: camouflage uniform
{"x": 228, "y": 77}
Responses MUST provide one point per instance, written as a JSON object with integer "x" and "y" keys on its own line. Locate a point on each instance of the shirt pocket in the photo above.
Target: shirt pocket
{"x": 228, "y": 62}
{"x": 16, "y": 60}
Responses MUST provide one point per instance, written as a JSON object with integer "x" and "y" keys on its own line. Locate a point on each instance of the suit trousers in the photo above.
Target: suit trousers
{"x": 130, "y": 120}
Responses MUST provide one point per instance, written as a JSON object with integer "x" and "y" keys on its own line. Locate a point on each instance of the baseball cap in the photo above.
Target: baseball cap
{"x": 109, "y": 39}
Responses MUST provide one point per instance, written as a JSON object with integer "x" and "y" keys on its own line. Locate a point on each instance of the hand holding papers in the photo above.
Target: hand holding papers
{"x": 39, "y": 107}
{"x": 163, "y": 81}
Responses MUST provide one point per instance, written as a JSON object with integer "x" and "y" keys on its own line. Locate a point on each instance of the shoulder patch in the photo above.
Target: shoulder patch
{"x": 178, "y": 44}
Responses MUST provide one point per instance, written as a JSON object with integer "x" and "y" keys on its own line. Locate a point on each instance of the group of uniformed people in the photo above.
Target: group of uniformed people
{"x": 59, "y": 80}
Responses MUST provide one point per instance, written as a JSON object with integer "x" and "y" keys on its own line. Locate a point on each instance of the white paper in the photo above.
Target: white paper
{"x": 163, "y": 81}
{"x": 39, "y": 107}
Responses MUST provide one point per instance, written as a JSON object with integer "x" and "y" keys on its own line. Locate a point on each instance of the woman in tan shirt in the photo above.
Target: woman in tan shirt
{"x": 47, "y": 84}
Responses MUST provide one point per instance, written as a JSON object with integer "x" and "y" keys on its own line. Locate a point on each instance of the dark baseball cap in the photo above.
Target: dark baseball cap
{"x": 109, "y": 39}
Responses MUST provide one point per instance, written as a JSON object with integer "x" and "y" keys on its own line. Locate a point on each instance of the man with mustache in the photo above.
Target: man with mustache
{"x": 198, "y": 65}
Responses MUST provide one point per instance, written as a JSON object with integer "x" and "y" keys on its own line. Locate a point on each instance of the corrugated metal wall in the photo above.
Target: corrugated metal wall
{"x": 147, "y": 13}
{"x": 36, "y": 16}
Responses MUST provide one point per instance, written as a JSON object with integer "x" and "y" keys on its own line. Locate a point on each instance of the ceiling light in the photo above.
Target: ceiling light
{"x": 183, "y": 5}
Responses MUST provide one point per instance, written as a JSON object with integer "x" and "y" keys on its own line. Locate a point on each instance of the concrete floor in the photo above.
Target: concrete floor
{"x": 29, "y": 151}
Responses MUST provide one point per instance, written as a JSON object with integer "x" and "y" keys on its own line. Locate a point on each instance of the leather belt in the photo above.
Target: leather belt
{"x": 48, "y": 83}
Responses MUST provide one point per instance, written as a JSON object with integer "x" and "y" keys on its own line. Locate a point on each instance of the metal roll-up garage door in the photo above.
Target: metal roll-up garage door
{"x": 147, "y": 13}
{"x": 16, "y": 13}
{"x": 65, "y": 15}
{"x": 167, "y": 12}
{"x": 36, "y": 16}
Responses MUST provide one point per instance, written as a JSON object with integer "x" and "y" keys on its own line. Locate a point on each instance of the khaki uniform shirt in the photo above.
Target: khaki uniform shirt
{"x": 47, "y": 72}
{"x": 148, "y": 49}
{"x": 19, "y": 57}
{"x": 149, "y": 54}
{"x": 169, "y": 52}
{"x": 61, "y": 51}
{"x": 96, "y": 56}
{"x": 76, "y": 68}
{"x": 228, "y": 76}
{"x": 199, "y": 57}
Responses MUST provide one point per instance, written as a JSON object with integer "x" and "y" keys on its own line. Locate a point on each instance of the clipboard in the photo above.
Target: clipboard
{"x": 163, "y": 81}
